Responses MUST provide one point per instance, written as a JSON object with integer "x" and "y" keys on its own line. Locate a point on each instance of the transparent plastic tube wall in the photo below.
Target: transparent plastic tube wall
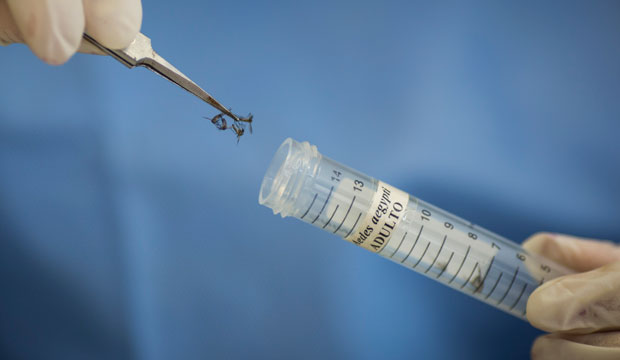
{"x": 302, "y": 183}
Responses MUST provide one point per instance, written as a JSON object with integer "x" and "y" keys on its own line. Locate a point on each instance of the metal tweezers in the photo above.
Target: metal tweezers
{"x": 140, "y": 53}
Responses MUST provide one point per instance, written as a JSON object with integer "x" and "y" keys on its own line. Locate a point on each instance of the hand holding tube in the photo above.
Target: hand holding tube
{"x": 53, "y": 28}
{"x": 581, "y": 311}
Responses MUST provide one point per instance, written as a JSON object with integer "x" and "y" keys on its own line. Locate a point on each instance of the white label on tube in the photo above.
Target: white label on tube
{"x": 385, "y": 213}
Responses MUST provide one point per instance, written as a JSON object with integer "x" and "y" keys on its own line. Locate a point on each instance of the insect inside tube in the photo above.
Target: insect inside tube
{"x": 238, "y": 127}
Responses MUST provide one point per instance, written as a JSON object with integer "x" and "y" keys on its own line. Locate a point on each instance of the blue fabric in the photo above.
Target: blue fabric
{"x": 130, "y": 227}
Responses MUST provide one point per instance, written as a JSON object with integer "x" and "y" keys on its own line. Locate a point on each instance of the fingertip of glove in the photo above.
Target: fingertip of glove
{"x": 114, "y": 24}
{"x": 55, "y": 50}
{"x": 551, "y": 347}
{"x": 540, "y": 348}
{"x": 552, "y": 246}
{"x": 52, "y": 31}
{"x": 537, "y": 242}
{"x": 538, "y": 308}
{"x": 551, "y": 307}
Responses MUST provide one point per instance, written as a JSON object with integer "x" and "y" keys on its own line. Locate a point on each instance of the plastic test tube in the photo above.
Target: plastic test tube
{"x": 300, "y": 182}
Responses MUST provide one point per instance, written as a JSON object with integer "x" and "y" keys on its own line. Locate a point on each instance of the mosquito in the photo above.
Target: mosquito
{"x": 238, "y": 130}
{"x": 238, "y": 127}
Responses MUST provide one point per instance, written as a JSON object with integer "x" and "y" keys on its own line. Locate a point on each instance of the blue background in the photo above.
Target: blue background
{"x": 130, "y": 227}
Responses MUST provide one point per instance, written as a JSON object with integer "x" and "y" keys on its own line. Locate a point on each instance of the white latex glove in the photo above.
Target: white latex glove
{"x": 582, "y": 311}
{"x": 53, "y": 28}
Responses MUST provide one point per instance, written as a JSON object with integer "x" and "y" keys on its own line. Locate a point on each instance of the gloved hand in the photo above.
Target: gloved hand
{"x": 582, "y": 311}
{"x": 53, "y": 28}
